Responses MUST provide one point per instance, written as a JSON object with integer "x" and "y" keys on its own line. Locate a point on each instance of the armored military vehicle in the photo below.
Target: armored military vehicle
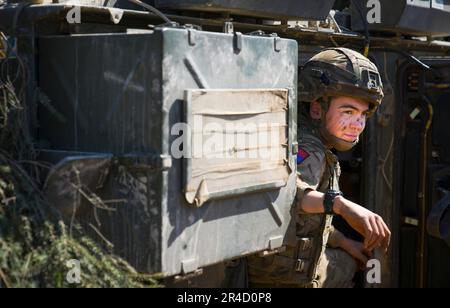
{"x": 152, "y": 108}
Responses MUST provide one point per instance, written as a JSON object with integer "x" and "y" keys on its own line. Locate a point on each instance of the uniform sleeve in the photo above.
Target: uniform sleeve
{"x": 310, "y": 168}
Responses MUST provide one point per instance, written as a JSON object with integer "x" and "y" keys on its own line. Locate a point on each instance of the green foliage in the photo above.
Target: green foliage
{"x": 35, "y": 244}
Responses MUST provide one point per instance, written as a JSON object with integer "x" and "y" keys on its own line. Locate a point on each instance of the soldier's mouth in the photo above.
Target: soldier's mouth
{"x": 350, "y": 137}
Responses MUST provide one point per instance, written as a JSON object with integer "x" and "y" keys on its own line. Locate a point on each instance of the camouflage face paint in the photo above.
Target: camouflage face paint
{"x": 346, "y": 118}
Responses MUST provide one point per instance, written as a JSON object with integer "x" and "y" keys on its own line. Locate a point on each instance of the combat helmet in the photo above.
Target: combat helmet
{"x": 338, "y": 72}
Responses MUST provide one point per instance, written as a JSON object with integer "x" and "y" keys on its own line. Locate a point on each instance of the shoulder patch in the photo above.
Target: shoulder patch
{"x": 301, "y": 156}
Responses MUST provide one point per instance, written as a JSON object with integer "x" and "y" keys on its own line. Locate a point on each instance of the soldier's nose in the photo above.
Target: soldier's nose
{"x": 358, "y": 125}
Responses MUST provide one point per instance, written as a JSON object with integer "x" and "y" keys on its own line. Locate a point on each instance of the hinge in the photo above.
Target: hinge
{"x": 228, "y": 27}
{"x": 276, "y": 42}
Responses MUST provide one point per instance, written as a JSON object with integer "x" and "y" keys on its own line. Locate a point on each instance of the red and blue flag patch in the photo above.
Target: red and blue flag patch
{"x": 301, "y": 156}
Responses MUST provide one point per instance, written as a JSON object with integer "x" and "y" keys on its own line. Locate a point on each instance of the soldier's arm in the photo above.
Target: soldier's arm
{"x": 310, "y": 170}
{"x": 370, "y": 225}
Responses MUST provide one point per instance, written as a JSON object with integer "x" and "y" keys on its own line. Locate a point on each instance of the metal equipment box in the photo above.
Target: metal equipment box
{"x": 135, "y": 123}
{"x": 278, "y": 10}
{"x": 411, "y": 17}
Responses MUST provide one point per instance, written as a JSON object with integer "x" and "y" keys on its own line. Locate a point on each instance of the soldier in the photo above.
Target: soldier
{"x": 338, "y": 90}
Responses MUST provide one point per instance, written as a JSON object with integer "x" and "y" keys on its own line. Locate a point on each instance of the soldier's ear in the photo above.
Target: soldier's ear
{"x": 315, "y": 110}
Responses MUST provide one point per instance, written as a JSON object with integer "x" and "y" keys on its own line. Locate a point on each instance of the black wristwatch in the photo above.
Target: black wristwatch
{"x": 329, "y": 200}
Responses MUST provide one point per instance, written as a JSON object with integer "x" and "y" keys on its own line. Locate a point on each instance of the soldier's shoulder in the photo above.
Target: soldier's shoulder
{"x": 312, "y": 144}
{"x": 311, "y": 153}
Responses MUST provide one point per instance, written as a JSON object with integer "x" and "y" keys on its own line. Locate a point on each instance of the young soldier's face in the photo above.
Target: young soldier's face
{"x": 346, "y": 117}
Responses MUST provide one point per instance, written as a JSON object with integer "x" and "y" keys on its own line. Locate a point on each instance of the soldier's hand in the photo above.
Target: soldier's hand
{"x": 370, "y": 225}
{"x": 357, "y": 251}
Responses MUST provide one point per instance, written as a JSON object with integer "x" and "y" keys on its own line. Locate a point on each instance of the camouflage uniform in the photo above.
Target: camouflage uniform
{"x": 307, "y": 262}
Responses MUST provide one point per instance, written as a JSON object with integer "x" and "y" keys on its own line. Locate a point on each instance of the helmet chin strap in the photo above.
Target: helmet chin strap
{"x": 333, "y": 141}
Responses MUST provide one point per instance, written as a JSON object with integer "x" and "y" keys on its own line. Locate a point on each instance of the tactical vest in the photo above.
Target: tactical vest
{"x": 297, "y": 266}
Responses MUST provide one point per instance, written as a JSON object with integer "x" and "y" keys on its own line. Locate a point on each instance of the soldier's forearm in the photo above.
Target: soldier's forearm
{"x": 312, "y": 203}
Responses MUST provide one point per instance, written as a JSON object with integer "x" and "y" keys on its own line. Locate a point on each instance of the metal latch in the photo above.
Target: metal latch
{"x": 272, "y": 252}
{"x": 304, "y": 244}
{"x": 189, "y": 270}
{"x": 192, "y": 33}
{"x": 276, "y": 42}
{"x": 189, "y": 266}
{"x": 300, "y": 265}
{"x": 191, "y": 37}
{"x": 274, "y": 247}
{"x": 238, "y": 42}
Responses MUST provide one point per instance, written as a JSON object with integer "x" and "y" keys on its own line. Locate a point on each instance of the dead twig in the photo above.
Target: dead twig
{"x": 5, "y": 279}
